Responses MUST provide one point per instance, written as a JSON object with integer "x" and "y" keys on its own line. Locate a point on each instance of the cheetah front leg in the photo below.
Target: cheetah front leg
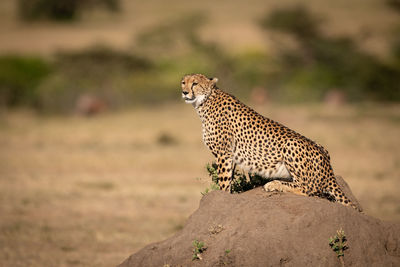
{"x": 225, "y": 171}
{"x": 281, "y": 186}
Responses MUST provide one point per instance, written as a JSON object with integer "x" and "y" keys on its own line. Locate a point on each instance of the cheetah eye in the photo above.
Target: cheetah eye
{"x": 183, "y": 82}
{"x": 194, "y": 84}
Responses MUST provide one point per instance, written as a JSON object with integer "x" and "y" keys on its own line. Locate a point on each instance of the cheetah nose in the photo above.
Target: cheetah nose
{"x": 185, "y": 93}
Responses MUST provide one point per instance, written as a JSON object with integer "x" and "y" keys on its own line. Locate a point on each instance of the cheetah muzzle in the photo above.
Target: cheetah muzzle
{"x": 237, "y": 135}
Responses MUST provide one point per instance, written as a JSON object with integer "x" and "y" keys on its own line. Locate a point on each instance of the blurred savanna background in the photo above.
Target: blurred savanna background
{"x": 100, "y": 156}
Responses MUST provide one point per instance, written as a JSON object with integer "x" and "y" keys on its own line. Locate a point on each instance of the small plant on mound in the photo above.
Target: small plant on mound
{"x": 240, "y": 181}
{"x": 198, "y": 248}
{"x": 212, "y": 187}
{"x": 242, "y": 184}
{"x": 338, "y": 243}
{"x": 225, "y": 260}
{"x": 212, "y": 172}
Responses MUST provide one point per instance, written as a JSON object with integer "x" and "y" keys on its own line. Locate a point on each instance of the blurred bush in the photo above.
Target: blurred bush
{"x": 61, "y": 10}
{"x": 20, "y": 78}
{"x": 104, "y": 73}
{"x": 320, "y": 63}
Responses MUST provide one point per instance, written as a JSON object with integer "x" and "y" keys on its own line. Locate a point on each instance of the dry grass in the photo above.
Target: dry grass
{"x": 90, "y": 191}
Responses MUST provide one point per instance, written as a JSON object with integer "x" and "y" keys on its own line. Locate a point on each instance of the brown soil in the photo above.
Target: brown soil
{"x": 274, "y": 229}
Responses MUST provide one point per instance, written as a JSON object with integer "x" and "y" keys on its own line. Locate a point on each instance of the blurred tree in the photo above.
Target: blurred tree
{"x": 395, "y": 4}
{"x": 295, "y": 20}
{"x": 93, "y": 74}
{"x": 61, "y": 10}
{"x": 19, "y": 78}
{"x": 323, "y": 62}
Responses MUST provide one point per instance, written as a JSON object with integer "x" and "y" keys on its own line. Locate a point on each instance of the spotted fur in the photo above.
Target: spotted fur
{"x": 237, "y": 135}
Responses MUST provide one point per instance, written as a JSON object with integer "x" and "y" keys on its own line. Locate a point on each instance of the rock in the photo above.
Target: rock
{"x": 335, "y": 97}
{"x": 89, "y": 105}
{"x": 257, "y": 228}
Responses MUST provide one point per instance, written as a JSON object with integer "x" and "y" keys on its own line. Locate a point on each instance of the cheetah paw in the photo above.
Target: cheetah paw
{"x": 274, "y": 186}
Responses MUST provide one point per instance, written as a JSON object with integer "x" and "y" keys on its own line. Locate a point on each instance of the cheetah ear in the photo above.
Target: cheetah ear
{"x": 213, "y": 81}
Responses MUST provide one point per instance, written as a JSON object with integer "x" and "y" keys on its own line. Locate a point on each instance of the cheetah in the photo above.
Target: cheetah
{"x": 239, "y": 136}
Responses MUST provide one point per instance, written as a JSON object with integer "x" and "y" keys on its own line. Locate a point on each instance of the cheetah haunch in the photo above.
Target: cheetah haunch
{"x": 237, "y": 135}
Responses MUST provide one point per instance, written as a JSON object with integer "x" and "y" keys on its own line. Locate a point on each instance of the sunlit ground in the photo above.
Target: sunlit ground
{"x": 90, "y": 191}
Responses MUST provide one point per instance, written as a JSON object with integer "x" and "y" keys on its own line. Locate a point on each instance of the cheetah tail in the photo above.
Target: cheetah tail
{"x": 337, "y": 195}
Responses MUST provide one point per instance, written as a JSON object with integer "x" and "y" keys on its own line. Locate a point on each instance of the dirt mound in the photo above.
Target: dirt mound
{"x": 256, "y": 228}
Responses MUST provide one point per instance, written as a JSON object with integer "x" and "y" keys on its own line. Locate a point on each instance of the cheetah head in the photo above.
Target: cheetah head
{"x": 196, "y": 88}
